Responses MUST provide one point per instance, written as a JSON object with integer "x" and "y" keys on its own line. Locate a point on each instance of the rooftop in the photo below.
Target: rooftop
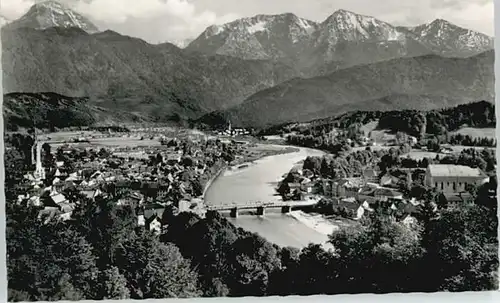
{"x": 445, "y": 170}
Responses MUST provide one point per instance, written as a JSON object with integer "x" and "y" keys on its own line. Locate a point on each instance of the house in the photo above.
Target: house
{"x": 367, "y": 193}
{"x": 140, "y": 217}
{"x": 65, "y": 216}
{"x": 294, "y": 186}
{"x": 412, "y": 140}
{"x": 348, "y": 204}
{"x": 56, "y": 181}
{"x": 458, "y": 197}
{"x": 153, "y": 209}
{"x": 453, "y": 178}
{"x": 446, "y": 150}
{"x": 73, "y": 177}
{"x": 57, "y": 173}
{"x": 353, "y": 208}
{"x": 409, "y": 220}
{"x": 34, "y": 201}
{"x": 384, "y": 194}
{"x": 62, "y": 185}
{"x": 184, "y": 205}
{"x": 163, "y": 190}
{"x": 359, "y": 212}
{"x": 153, "y": 224}
{"x": 91, "y": 194}
{"x": 389, "y": 180}
{"x": 371, "y": 175}
{"x": 66, "y": 207}
{"x": 308, "y": 173}
{"x": 47, "y": 214}
{"x": 133, "y": 199}
{"x": 329, "y": 187}
{"x": 349, "y": 187}
{"x": 54, "y": 198}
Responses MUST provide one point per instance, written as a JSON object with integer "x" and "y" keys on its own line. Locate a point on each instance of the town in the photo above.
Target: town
{"x": 335, "y": 186}
{"x": 170, "y": 172}
{"x": 149, "y": 177}
{"x": 184, "y": 149}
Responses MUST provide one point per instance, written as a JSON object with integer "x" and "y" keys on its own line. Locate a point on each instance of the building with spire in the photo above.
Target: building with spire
{"x": 39, "y": 173}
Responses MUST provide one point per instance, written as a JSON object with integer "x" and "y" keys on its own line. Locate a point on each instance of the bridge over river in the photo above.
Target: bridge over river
{"x": 286, "y": 206}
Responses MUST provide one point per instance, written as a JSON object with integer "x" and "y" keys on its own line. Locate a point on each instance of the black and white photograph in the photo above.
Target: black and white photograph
{"x": 161, "y": 149}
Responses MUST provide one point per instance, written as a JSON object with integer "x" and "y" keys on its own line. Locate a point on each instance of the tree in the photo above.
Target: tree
{"x": 314, "y": 164}
{"x": 188, "y": 161}
{"x": 48, "y": 262}
{"x": 14, "y": 171}
{"x": 433, "y": 145}
{"x": 315, "y": 273}
{"x": 364, "y": 255}
{"x": 113, "y": 285}
{"x": 325, "y": 170}
{"x": 217, "y": 288}
{"x": 156, "y": 270}
{"x": 228, "y": 156}
{"x": 106, "y": 226}
{"x": 197, "y": 187}
{"x": 284, "y": 189}
{"x": 104, "y": 153}
{"x": 464, "y": 243}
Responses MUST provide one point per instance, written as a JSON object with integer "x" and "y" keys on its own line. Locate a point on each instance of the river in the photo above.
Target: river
{"x": 257, "y": 182}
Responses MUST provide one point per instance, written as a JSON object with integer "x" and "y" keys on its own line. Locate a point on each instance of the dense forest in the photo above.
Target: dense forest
{"x": 102, "y": 253}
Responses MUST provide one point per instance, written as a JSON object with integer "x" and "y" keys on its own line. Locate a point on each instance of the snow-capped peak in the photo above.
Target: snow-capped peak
{"x": 51, "y": 4}
{"x": 259, "y": 26}
{"x": 346, "y": 25}
{"x": 51, "y": 13}
{"x": 214, "y": 30}
{"x": 443, "y": 36}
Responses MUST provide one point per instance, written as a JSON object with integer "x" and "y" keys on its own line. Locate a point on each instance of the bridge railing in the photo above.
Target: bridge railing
{"x": 260, "y": 204}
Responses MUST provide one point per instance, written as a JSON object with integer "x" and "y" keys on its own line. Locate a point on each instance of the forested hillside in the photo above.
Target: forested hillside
{"x": 417, "y": 123}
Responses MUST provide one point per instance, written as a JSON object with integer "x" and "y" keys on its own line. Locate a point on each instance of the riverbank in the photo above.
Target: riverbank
{"x": 212, "y": 179}
{"x": 245, "y": 164}
{"x": 249, "y": 161}
{"x": 260, "y": 151}
{"x": 257, "y": 182}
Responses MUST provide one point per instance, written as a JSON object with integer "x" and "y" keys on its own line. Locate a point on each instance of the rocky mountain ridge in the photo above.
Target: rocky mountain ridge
{"x": 47, "y": 14}
{"x": 344, "y": 39}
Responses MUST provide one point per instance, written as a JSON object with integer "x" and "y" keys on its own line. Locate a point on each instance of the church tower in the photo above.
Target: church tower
{"x": 39, "y": 169}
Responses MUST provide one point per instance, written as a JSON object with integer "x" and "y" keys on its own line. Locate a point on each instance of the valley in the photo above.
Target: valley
{"x": 247, "y": 70}
{"x": 255, "y": 154}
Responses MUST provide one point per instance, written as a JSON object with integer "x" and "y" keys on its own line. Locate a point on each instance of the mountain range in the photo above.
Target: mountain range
{"x": 256, "y": 71}
{"x": 344, "y": 39}
{"x": 116, "y": 71}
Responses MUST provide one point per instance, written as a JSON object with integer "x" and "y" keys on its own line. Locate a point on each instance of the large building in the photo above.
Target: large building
{"x": 453, "y": 178}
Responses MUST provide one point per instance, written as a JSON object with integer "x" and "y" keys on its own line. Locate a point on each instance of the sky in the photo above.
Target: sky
{"x": 159, "y": 21}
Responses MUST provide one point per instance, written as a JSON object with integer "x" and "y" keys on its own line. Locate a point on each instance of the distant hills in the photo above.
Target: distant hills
{"x": 157, "y": 81}
{"x": 44, "y": 110}
{"x": 256, "y": 71}
{"x": 423, "y": 83}
{"x": 480, "y": 114}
